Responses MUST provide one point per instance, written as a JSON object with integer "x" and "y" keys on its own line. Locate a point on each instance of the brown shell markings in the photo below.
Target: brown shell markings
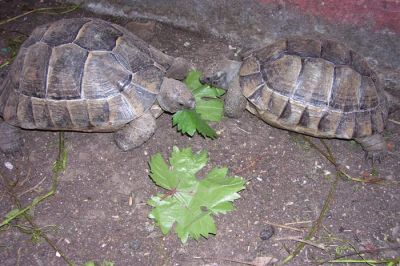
{"x": 319, "y": 88}
{"x": 83, "y": 75}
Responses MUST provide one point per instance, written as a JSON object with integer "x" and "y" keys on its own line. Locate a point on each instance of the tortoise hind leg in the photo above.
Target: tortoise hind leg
{"x": 136, "y": 132}
{"x": 374, "y": 147}
{"x": 10, "y": 138}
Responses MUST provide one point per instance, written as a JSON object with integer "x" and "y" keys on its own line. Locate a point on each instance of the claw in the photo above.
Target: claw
{"x": 375, "y": 156}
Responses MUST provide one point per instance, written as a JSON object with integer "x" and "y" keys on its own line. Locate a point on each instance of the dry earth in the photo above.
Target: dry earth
{"x": 90, "y": 217}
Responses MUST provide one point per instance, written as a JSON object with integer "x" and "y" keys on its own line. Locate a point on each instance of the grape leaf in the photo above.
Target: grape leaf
{"x": 190, "y": 203}
{"x": 209, "y": 107}
{"x": 189, "y": 121}
{"x": 208, "y": 104}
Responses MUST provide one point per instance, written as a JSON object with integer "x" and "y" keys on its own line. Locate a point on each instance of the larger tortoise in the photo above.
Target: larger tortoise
{"x": 88, "y": 75}
{"x": 316, "y": 87}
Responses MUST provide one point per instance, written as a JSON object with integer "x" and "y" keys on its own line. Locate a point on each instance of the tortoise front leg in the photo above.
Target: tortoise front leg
{"x": 136, "y": 132}
{"x": 10, "y": 138}
{"x": 374, "y": 147}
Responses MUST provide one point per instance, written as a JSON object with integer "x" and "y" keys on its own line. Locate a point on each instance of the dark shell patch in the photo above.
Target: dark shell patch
{"x": 345, "y": 89}
{"x": 99, "y": 112}
{"x": 281, "y": 75}
{"x": 65, "y": 72}
{"x": 25, "y": 112}
{"x": 79, "y": 113}
{"x": 304, "y": 47}
{"x": 368, "y": 95}
{"x": 63, "y": 31}
{"x": 97, "y": 35}
{"x": 336, "y": 53}
{"x": 41, "y": 113}
{"x": 34, "y": 71}
{"x": 59, "y": 114}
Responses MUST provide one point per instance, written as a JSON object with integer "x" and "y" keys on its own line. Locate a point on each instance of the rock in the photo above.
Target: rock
{"x": 135, "y": 244}
{"x": 267, "y": 232}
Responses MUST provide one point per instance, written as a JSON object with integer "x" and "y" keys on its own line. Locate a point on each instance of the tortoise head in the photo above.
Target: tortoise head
{"x": 175, "y": 96}
{"x": 222, "y": 74}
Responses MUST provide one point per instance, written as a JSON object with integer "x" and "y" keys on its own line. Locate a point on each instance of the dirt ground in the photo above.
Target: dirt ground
{"x": 90, "y": 218}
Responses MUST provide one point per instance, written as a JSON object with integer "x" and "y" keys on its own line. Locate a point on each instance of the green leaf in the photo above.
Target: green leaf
{"x": 160, "y": 173}
{"x": 189, "y": 121}
{"x": 209, "y": 107}
{"x": 208, "y": 104}
{"x": 210, "y": 110}
{"x": 190, "y": 203}
{"x": 192, "y": 80}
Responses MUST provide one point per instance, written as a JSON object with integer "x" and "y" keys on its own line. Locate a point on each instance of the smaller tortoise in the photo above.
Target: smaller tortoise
{"x": 318, "y": 88}
{"x": 89, "y": 75}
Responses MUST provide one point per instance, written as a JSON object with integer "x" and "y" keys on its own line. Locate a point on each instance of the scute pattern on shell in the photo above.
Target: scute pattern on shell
{"x": 81, "y": 74}
{"x": 319, "y": 88}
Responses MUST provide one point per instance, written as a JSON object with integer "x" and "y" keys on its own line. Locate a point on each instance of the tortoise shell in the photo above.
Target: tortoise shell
{"x": 319, "y": 88}
{"x": 81, "y": 74}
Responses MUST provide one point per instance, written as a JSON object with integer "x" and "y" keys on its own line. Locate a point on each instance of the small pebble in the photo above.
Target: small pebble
{"x": 9, "y": 165}
{"x": 267, "y": 232}
{"x": 326, "y": 172}
{"x": 135, "y": 244}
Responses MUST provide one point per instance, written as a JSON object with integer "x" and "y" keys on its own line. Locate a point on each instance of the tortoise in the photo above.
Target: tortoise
{"x": 89, "y": 75}
{"x": 315, "y": 87}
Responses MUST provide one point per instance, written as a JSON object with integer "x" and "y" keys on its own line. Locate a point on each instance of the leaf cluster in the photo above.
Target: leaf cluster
{"x": 189, "y": 202}
{"x": 209, "y": 107}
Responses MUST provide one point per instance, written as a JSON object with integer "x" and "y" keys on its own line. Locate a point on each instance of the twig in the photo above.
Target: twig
{"x": 43, "y": 9}
{"x": 360, "y": 252}
{"x": 300, "y": 222}
{"x": 28, "y": 176}
{"x": 394, "y": 121}
{"x": 245, "y": 131}
{"x": 325, "y": 207}
{"x": 285, "y": 226}
{"x": 228, "y": 260}
{"x": 18, "y": 256}
{"x": 33, "y": 188}
{"x": 330, "y": 158}
{"x": 394, "y": 261}
{"x": 298, "y": 239}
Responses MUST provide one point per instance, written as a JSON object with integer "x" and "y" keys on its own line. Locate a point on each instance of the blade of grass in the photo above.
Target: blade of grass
{"x": 42, "y": 10}
{"x": 61, "y": 165}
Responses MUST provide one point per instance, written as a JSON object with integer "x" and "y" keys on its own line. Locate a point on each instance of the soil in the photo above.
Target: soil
{"x": 91, "y": 218}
